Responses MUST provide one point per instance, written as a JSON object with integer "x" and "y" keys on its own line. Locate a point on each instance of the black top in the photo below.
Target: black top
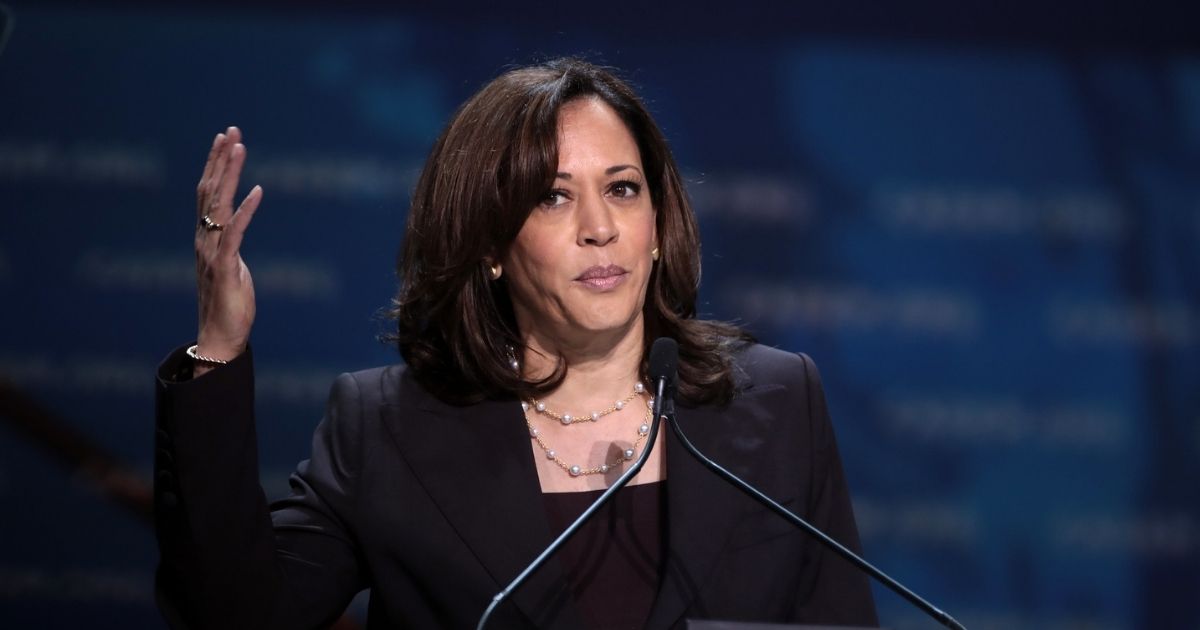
{"x": 614, "y": 562}
{"x": 382, "y": 504}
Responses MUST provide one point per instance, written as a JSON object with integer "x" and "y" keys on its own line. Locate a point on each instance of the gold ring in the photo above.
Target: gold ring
{"x": 210, "y": 225}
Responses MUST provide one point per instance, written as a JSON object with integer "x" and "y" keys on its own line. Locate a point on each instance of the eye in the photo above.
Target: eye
{"x": 625, "y": 189}
{"x": 556, "y": 197}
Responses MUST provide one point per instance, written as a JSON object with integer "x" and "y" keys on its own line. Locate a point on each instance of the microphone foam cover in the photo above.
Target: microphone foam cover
{"x": 664, "y": 360}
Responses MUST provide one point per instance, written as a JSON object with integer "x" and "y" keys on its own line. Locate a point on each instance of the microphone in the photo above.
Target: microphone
{"x": 916, "y": 600}
{"x": 662, "y": 366}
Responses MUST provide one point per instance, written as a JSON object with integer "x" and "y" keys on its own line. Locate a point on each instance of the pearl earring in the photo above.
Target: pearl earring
{"x": 495, "y": 270}
{"x": 654, "y": 253}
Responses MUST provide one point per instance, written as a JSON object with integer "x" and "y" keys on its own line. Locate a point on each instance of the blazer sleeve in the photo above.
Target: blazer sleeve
{"x": 227, "y": 560}
{"x": 834, "y": 589}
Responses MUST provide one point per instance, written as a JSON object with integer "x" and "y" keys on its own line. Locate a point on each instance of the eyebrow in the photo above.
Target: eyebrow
{"x": 608, "y": 171}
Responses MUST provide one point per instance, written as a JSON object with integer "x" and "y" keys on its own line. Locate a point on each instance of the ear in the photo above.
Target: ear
{"x": 656, "y": 244}
{"x": 493, "y": 268}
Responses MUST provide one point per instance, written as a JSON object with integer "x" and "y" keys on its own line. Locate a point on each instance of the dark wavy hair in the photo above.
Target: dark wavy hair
{"x": 490, "y": 167}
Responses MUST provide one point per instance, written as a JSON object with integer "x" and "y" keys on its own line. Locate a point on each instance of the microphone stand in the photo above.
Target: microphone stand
{"x": 916, "y": 600}
{"x": 659, "y": 390}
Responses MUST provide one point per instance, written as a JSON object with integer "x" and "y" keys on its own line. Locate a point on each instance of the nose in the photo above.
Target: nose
{"x": 596, "y": 224}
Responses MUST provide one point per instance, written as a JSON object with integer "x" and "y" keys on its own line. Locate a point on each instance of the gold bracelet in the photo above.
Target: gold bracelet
{"x": 191, "y": 352}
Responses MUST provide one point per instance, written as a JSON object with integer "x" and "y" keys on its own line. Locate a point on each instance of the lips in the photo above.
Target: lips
{"x": 602, "y": 278}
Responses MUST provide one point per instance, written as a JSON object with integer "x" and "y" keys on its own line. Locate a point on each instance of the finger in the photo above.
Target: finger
{"x": 218, "y": 140}
{"x": 223, "y": 202}
{"x": 201, "y": 188}
{"x": 232, "y": 136}
{"x": 231, "y": 240}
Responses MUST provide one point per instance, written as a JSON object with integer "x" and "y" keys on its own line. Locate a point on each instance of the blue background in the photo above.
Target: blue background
{"x": 981, "y": 222}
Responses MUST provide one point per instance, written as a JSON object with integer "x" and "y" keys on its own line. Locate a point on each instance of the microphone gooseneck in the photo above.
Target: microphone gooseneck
{"x": 916, "y": 600}
{"x": 664, "y": 360}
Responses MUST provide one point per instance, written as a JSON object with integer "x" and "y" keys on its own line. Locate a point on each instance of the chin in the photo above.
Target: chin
{"x": 608, "y": 320}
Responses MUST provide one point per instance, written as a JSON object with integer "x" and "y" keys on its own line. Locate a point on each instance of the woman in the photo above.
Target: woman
{"x": 548, "y": 242}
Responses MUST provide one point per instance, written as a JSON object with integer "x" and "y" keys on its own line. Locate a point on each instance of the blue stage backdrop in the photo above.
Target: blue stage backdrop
{"x": 990, "y": 249}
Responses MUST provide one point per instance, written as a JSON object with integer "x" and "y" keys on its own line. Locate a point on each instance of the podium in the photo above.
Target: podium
{"x": 706, "y": 624}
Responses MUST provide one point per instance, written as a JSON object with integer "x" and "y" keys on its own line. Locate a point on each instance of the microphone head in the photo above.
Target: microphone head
{"x": 664, "y": 361}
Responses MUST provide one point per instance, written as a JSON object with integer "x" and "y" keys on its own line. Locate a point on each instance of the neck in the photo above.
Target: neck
{"x": 601, "y": 368}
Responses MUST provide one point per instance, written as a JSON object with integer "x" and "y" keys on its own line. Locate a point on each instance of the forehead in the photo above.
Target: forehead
{"x": 590, "y": 131}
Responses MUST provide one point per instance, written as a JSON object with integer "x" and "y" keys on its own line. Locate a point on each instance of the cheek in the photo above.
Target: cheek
{"x": 533, "y": 261}
{"x": 645, "y": 230}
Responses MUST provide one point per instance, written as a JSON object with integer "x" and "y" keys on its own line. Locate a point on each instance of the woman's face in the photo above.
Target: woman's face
{"x": 581, "y": 262}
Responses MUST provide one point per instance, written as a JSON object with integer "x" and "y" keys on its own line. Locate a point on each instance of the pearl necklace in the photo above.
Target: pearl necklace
{"x": 567, "y": 418}
{"x": 576, "y": 470}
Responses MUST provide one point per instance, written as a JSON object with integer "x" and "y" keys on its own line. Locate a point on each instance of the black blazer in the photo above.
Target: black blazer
{"x": 436, "y": 507}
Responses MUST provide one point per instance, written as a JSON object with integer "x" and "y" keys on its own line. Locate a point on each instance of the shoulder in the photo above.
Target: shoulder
{"x": 356, "y": 409}
{"x": 759, "y": 367}
{"x": 373, "y": 387}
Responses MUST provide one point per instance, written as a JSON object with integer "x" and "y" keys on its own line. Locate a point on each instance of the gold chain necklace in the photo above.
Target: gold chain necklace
{"x": 576, "y": 470}
{"x": 567, "y": 418}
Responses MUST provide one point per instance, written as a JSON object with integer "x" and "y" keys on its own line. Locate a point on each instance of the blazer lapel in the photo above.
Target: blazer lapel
{"x": 477, "y": 465}
{"x": 702, "y": 511}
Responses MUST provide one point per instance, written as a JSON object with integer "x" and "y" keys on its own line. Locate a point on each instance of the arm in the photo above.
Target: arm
{"x": 834, "y": 590}
{"x": 226, "y": 561}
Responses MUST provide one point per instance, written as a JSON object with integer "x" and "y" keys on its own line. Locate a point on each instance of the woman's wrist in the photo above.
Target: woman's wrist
{"x": 196, "y": 355}
{"x": 207, "y": 358}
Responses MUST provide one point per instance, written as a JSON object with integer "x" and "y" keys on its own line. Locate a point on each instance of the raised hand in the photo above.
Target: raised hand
{"x": 226, "y": 291}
